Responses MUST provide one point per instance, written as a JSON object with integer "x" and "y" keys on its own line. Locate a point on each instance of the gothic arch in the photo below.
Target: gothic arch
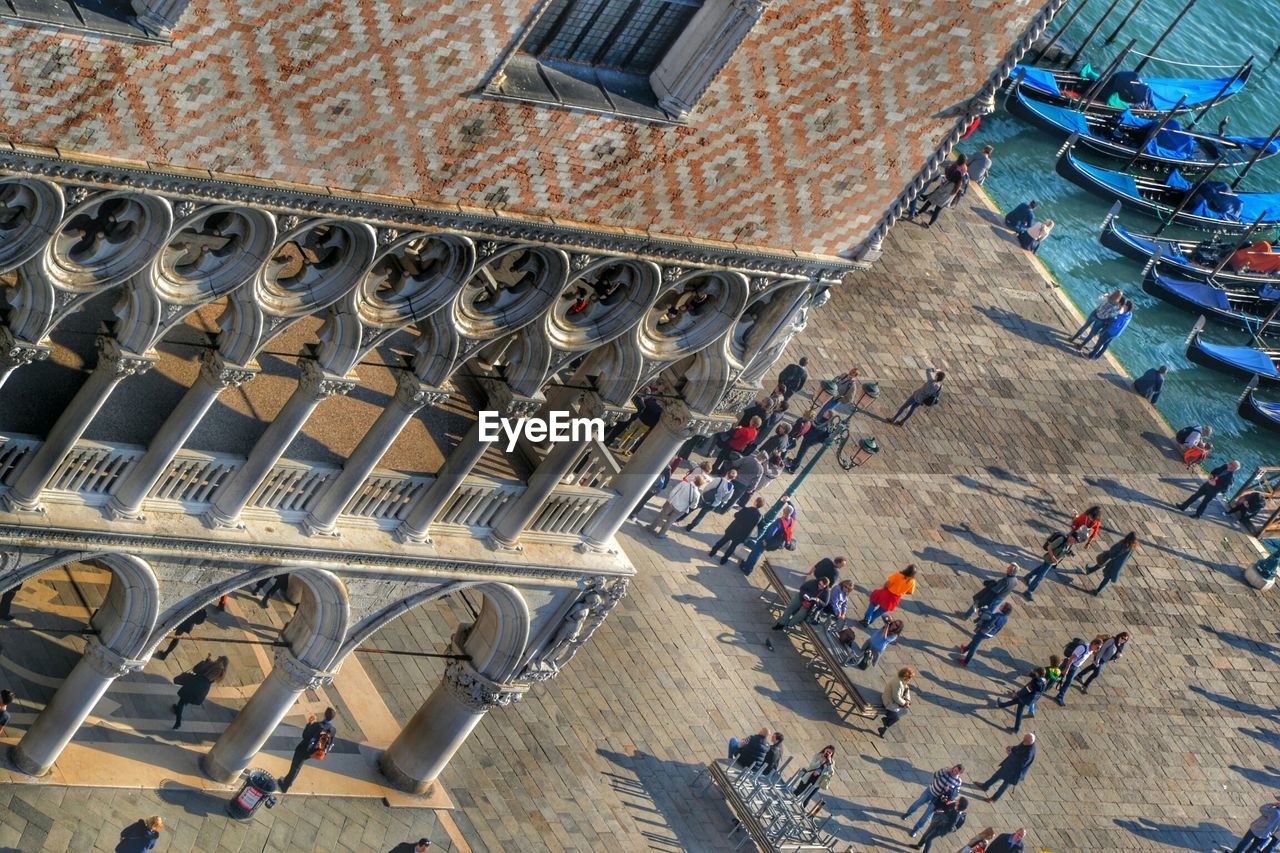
{"x": 696, "y": 309}
{"x": 30, "y": 210}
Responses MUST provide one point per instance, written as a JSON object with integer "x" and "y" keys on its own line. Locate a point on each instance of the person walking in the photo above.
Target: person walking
{"x": 739, "y": 530}
{"x": 945, "y": 820}
{"x": 817, "y": 776}
{"x": 140, "y": 836}
{"x": 1022, "y": 217}
{"x": 1220, "y": 479}
{"x": 840, "y": 391}
{"x": 1260, "y": 832}
{"x": 927, "y": 394}
{"x": 316, "y": 741}
{"x": 886, "y": 599}
{"x": 278, "y": 583}
{"x": 1052, "y": 678}
{"x": 994, "y": 591}
{"x": 990, "y": 623}
{"x": 830, "y": 389}
{"x": 1115, "y": 328}
{"x": 1151, "y": 383}
{"x": 1013, "y": 768}
{"x": 1112, "y": 560}
{"x": 682, "y": 497}
{"x": 1009, "y": 842}
{"x": 1108, "y": 305}
{"x": 1111, "y": 649}
{"x": 943, "y": 193}
{"x": 1090, "y": 521}
{"x": 1056, "y": 549}
{"x": 811, "y": 595}
{"x": 718, "y": 496}
{"x": 942, "y": 788}
{"x": 780, "y": 534}
{"x": 896, "y": 697}
{"x": 749, "y": 751}
{"x": 1025, "y": 697}
{"x": 819, "y": 431}
{"x": 194, "y": 686}
{"x": 1077, "y": 654}
{"x": 186, "y": 626}
{"x": 879, "y": 642}
{"x": 793, "y": 378}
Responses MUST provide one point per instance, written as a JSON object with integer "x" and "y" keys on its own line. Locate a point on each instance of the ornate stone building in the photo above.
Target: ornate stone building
{"x": 262, "y": 264}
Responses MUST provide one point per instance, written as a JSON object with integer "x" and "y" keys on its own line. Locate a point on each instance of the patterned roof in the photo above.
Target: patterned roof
{"x": 802, "y": 141}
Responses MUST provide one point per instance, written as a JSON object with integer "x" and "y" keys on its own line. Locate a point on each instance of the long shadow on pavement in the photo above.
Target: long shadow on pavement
{"x": 1199, "y": 838}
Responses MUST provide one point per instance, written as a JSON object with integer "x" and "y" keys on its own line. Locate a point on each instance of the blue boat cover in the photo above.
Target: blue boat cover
{"x": 1245, "y": 358}
{"x": 1268, "y": 293}
{"x": 1172, "y": 143}
{"x": 1069, "y": 120}
{"x": 1165, "y": 91}
{"x": 1196, "y": 291}
{"x": 1118, "y": 181}
{"x": 1039, "y": 78}
{"x": 1256, "y": 142}
{"x": 1176, "y": 181}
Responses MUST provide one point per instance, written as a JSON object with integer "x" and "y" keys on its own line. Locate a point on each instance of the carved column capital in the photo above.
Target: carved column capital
{"x": 218, "y": 371}
{"x": 299, "y": 675}
{"x": 678, "y": 417}
{"x": 478, "y": 692}
{"x": 412, "y": 394}
{"x": 118, "y": 361}
{"x": 15, "y": 353}
{"x": 319, "y": 384}
{"x": 594, "y": 406}
{"x": 108, "y": 662}
{"x": 508, "y": 403}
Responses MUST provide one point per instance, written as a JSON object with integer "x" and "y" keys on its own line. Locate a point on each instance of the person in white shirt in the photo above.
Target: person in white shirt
{"x": 1077, "y": 658}
{"x": 684, "y": 496}
{"x": 718, "y": 496}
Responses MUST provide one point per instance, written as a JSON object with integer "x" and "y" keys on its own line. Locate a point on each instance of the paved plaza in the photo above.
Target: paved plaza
{"x": 1172, "y": 749}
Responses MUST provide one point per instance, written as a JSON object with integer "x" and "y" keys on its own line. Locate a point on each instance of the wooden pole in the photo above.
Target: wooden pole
{"x": 1244, "y": 241}
{"x": 1101, "y": 82}
{"x": 1075, "y": 13}
{"x": 1151, "y": 134}
{"x": 1222, "y": 93}
{"x": 1257, "y": 155}
{"x": 1136, "y": 6}
{"x": 1275, "y": 309}
{"x": 1163, "y": 36}
{"x": 1186, "y": 199}
{"x": 1093, "y": 32}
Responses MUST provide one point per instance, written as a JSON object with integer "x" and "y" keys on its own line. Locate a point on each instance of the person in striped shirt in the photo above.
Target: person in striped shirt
{"x": 943, "y": 788}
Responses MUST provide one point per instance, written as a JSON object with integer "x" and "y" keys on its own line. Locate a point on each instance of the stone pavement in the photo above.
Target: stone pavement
{"x": 1172, "y": 749}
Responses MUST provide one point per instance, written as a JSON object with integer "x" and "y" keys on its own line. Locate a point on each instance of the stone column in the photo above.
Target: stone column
{"x": 260, "y": 716}
{"x": 216, "y": 375}
{"x": 15, "y": 353}
{"x": 550, "y": 471}
{"x": 411, "y": 395}
{"x": 644, "y": 466}
{"x": 424, "y": 747}
{"x": 314, "y": 386}
{"x": 457, "y": 467}
{"x": 114, "y": 364}
{"x": 66, "y": 712}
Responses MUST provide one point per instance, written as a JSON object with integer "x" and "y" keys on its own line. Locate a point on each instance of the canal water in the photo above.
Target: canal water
{"x": 1214, "y": 32}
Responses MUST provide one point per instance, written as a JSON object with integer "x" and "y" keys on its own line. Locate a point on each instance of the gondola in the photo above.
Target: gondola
{"x": 1188, "y": 258}
{"x": 1160, "y": 199}
{"x": 1245, "y": 362}
{"x": 1066, "y": 88}
{"x": 1263, "y": 414}
{"x": 1239, "y": 308}
{"x": 1121, "y": 135}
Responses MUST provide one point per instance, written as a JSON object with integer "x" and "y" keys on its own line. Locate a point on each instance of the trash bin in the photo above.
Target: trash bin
{"x": 259, "y": 789}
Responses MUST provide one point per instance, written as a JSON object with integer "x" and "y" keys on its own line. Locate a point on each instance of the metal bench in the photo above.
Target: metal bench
{"x": 826, "y": 650}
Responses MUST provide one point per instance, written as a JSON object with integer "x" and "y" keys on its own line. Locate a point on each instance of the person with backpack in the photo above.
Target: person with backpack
{"x": 739, "y": 530}
{"x": 1112, "y": 560}
{"x": 793, "y": 378}
{"x": 682, "y": 497}
{"x": 1052, "y": 678}
{"x": 1026, "y": 696}
{"x": 194, "y": 686}
{"x": 927, "y": 394}
{"x": 316, "y": 741}
{"x": 811, "y": 595}
{"x": 886, "y": 599}
{"x": 942, "y": 788}
{"x": 994, "y": 591}
{"x": 1090, "y": 521}
{"x": 186, "y": 626}
{"x": 718, "y": 496}
{"x": 990, "y": 623}
{"x": 780, "y": 534}
{"x": 1191, "y": 437}
{"x": 141, "y": 835}
{"x": 818, "y": 432}
{"x": 1056, "y": 549}
{"x": 1013, "y": 767}
{"x": 1075, "y": 655}
{"x": 946, "y": 820}
{"x": 1220, "y": 479}
{"x": 1111, "y": 649}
